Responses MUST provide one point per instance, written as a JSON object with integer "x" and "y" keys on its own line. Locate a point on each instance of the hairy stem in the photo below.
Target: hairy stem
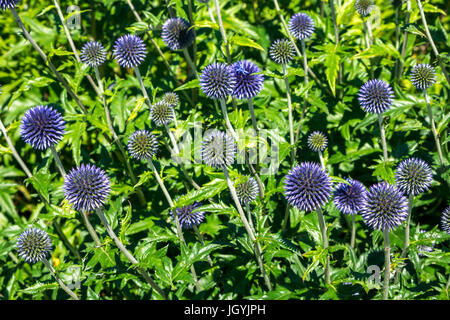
{"x": 352, "y": 240}
{"x": 383, "y": 138}
{"x": 322, "y": 162}
{"x": 406, "y": 240}
{"x": 387, "y": 264}
{"x": 323, "y": 230}
{"x": 141, "y": 83}
{"x": 58, "y": 279}
{"x": 433, "y": 128}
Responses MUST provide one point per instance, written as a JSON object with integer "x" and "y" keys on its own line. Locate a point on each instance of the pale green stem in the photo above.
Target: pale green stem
{"x": 286, "y": 217}
{"x": 177, "y": 221}
{"x": 252, "y": 114}
{"x": 305, "y": 61}
{"x": 322, "y": 162}
{"x": 227, "y": 120}
{"x": 222, "y": 31}
{"x": 127, "y": 254}
{"x": 58, "y": 161}
{"x": 290, "y": 116}
{"x": 141, "y": 83}
{"x": 249, "y": 217}
{"x": 383, "y": 137}
{"x": 433, "y": 128}
{"x": 352, "y": 240}
{"x": 211, "y": 14}
{"x": 202, "y": 241}
{"x": 247, "y": 227}
{"x": 190, "y": 62}
{"x": 58, "y": 279}
{"x": 387, "y": 264}
{"x": 323, "y": 230}
{"x": 406, "y": 240}
{"x": 405, "y": 40}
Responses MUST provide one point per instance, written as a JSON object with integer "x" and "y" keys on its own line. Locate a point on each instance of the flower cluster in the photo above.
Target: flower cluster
{"x": 317, "y": 141}
{"x": 93, "y": 54}
{"x": 423, "y": 76}
{"x": 129, "y": 51}
{"x": 249, "y": 80}
{"x": 8, "y": 4}
{"x": 142, "y": 145}
{"x": 375, "y": 96}
{"x": 217, "y": 80}
{"x": 247, "y": 191}
{"x": 364, "y": 7}
{"x": 34, "y": 245}
{"x": 177, "y": 33}
{"x": 218, "y": 149}
{"x": 413, "y": 176}
{"x": 282, "y": 51}
{"x": 349, "y": 197}
{"x": 162, "y": 113}
{"x": 301, "y": 26}
{"x": 188, "y": 219}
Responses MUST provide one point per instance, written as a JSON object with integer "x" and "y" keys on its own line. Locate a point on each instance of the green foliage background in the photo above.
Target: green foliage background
{"x": 294, "y": 259}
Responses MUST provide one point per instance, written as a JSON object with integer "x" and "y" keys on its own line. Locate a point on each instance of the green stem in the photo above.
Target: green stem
{"x": 222, "y": 31}
{"x": 290, "y": 116}
{"x": 190, "y": 62}
{"x": 322, "y": 162}
{"x": 141, "y": 83}
{"x": 352, "y": 240}
{"x": 405, "y": 40}
{"x": 323, "y": 230}
{"x": 211, "y": 14}
{"x": 383, "y": 138}
{"x": 202, "y": 241}
{"x": 433, "y": 128}
{"x": 249, "y": 217}
{"x": 406, "y": 240}
{"x": 252, "y": 115}
{"x": 387, "y": 264}
{"x": 58, "y": 161}
{"x": 227, "y": 120}
{"x": 58, "y": 279}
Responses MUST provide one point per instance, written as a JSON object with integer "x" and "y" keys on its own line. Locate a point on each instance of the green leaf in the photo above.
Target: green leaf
{"x": 189, "y": 85}
{"x": 245, "y": 42}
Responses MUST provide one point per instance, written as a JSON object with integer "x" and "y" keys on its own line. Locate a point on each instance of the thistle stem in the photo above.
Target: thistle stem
{"x": 249, "y": 217}
{"x": 127, "y": 254}
{"x": 58, "y": 161}
{"x": 252, "y": 115}
{"x": 202, "y": 241}
{"x": 190, "y": 62}
{"x": 383, "y": 138}
{"x": 247, "y": 227}
{"x": 141, "y": 83}
{"x": 222, "y": 31}
{"x": 290, "y": 117}
{"x": 211, "y": 14}
{"x": 323, "y": 230}
{"x": 177, "y": 221}
{"x": 352, "y": 240}
{"x": 405, "y": 40}
{"x": 58, "y": 279}
{"x": 227, "y": 120}
{"x": 322, "y": 162}
{"x": 433, "y": 128}
{"x": 387, "y": 264}
{"x": 430, "y": 39}
{"x": 406, "y": 240}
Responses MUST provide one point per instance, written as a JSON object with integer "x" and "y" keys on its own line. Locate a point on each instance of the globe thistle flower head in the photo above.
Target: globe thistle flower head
{"x": 33, "y": 245}
{"x": 248, "y": 82}
{"x": 142, "y": 145}
{"x": 317, "y": 141}
{"x": 413, "y": 176}
{"x": 423, "y": 76}
{"x": 42, "y": 127}
{"x": 364, "y": 7}
{"x": 8, "y": 4}
{"x": 86, "y": 187}
{"x": 247, "y": 191}
{"x": 176, "y": 33}
{"x": 129, "y": 51}
{"x": 349, "y": 197}
{"x": 162, "y": 113}
{"x": 171, "y": 98}
{"x": 187, "y": 218}
{"x": 93, "y": 54}
{"x": 375, "y": 96}
{"x": 385, "y": 207}
{"x": 218, "y": 149}
{"x": 445, "y": 220}
{"x": 301, "y": 26}
{"x": 217, "y": 80}
{"x": 307, "y": 186}
{"x": 282, "y": 51}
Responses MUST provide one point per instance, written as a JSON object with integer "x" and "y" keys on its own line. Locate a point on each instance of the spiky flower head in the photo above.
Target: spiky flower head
{"x": 364, "y": 7}
{"x": 162, "y": 113}
{"x": 8, "y": 4}
{"x": 177, "y": 33}
{"x": 423, "y": 76}
{"x": 375, "y": 96}
{"x": 187, "y": 218}
{"x": 282, "y": 51}
{"x": 413, "y": 176}
{"x": 86, "y": 187}
{"x": 33, "y": 245}
{"x": 218, "y": 149}
{"x": 42, "y": 127}
{"x": 171, "y": 98}
{"x": 247, "y": 191}
{"x": 317, "y": 141}
{"x": 248, "y": 82}
{"x": 349, "y": 197}
{"x": 129, "y": 51}
{"x": 142, "y": 145}
{"x": 301, "y": 26}
{"x": 93, "y": 54}
{"x": 217, "y": 80}
{"x": 385, "y": 207}
{"x": 307, "y": 186}
{"x": 445, "y": 220}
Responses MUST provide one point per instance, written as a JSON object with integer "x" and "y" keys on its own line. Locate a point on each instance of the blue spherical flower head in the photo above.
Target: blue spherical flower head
{"x": 317, "y": 141}
{"x": 187, "y": 218}
{"x": 375, "y": 96}
{"x": 349, "y": 197}
{"x": 248, "y": 82}
{"x": 301, "y": 26}
{"x": 423, "y": 76}
{"x": 217, "y": 80}
{"x": 247, "y": 191}
{"x": 129, "y": 51}
{"x": 171, "y": 98}
{"x": 445, "y": 220}
{"x": 34, "y": 245}
{"x": 8, "y": 4}
{"x": 413, "y": 176}
{"x": 364, "y": 7}
{"x": 282, "y": 51}
{"x": 385, "y": 207}
{"x": 162, "y": 113}
{"x": 86, "y": 187}
{"x": 142, "y": 145}
{"x": 307, "y": 186}
{"x": 177, "y": 33}
{"x": 218, "y": 149}
{"x": 93, "y": 54}
{"x": 42, "y": 127}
